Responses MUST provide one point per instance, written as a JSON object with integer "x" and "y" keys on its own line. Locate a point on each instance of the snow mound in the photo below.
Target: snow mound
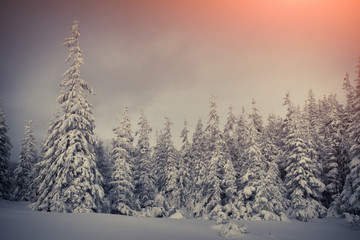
{"x": 352, "y": 220}
{"x": 232, "y": 230}
{"x": 269, "y": 236}
{"x": 177, "y": 215}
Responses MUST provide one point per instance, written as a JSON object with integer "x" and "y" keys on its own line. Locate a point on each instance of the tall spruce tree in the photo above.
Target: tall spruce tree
{"x": 271, "y": 149}
{"x": 46, "y": 158}
{"x": 198, "y": 150}
{"x": 159, "y": 160}
{"x": 185, "y": 163}
{"x": 145, "y": 182}
{"x": 331, "y": 131}
{"x": 70, "y": 180}
{"x": 161, "y": 207}
{"x": 262, "y": 192}
{"x": 351, "y": 191}
{"x": 229, "y": 133}
{"x": 170, "y": 187}
{"x": 256, "y": 118}
{"x": 5, "y": 146}
{"x": 302, "y": 173}
{"x": 28, "y": 159}
{"x": 122, "y": 198}
{"x": 240, "y": 138}
{"x": 103, "y": 163}
{"x": 219, "y": 188}
{"x": 345, "y": 118}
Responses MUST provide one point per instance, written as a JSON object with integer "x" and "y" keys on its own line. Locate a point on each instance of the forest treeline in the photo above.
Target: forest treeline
{"x": 305, "y": 165}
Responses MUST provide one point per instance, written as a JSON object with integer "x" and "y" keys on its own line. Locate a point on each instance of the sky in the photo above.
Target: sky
{"x": 169, "y": 57}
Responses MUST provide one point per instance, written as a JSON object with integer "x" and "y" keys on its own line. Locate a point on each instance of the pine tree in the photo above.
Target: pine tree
{"x": 271, "y": 149}
{"x": 302, "y": 178}
{"x": 229, "y": 134}
{"x": 160, "y": 207}
{"x": 28, "y": 159}
{"x": 159, "y": 160}
{"x": 122, "y": 198}
{"x": 170, "y": 187}
{"x": 70, "y": 180}
{"x": 332, "y": 150}
{"x": 262, "y": 191}
{"x": 256, "y": 118}
{"x": 345, "y": 118}
{"x": 145, "y": 182}
{"x": 185, "y": 163}
{"x": 103, "y": 163}
{"x": 46, "y": 158}
{"x": 350, "y": 94}
{"x": 5, "y": 146}
{"x": 312, "y": 115}
{"x": 240, "y": 138}
{"x": 198, "y": 150}
{"x": 219, "y": 189}
{"x": 351, "y": 191}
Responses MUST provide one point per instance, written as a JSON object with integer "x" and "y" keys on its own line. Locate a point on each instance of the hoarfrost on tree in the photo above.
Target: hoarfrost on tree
{"x": 70, "y": 180}
{"x": 5, "y": 146}
{"x": 122, "y": 197}
{"x": 144, "y": 180}
{"x": 28, "y": 159}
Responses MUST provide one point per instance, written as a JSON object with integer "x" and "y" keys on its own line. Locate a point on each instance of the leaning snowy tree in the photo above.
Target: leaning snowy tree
{"x": 28, "y": 159}
{"x": 70, "y": 180}
{"x": 5, "y": 146}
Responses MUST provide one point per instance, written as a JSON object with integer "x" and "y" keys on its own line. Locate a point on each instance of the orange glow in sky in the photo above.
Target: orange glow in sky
{"x": 169, "y": 56}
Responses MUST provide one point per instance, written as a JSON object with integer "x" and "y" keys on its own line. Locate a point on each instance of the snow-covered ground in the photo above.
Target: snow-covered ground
{"x": 17, "y": 221}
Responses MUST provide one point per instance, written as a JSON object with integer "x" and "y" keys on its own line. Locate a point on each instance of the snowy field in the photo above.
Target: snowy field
{"x": 17, "y": 221}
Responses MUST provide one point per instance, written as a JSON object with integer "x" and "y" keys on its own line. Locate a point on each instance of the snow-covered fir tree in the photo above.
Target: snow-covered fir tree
{"x": 312, "y": 114}
{"x": 229, "y": 134}
{"x": 271, "y": 149}
{"x": 159, "y": 160}
{"x": 302, "y": 173}
{"x": 46, "y": 158}
{"x": 122, "y": 197}
{"x": 70, "y": 180}
{"x": 145, "y": 182}
{"x": 345, "y": 118}
{"x": 219, "y": 190}
{"x": 198, "y": 150}
{"x": 27, "y": 161}
{"x": 262, "y": 192}
{"x": 185, "y": 163}
{"x": 5, "y": 146}
{"x": 103, "y": 163}
{"x": 170, "y": 188}
{"x": 351, "y": 192}
{"x": 160, "y": 207}
{"x": 256, "y": 118}
{"x": 331, "y": 131}
{"x": 350, "y": 94}
{"x": 240, "y": 137}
